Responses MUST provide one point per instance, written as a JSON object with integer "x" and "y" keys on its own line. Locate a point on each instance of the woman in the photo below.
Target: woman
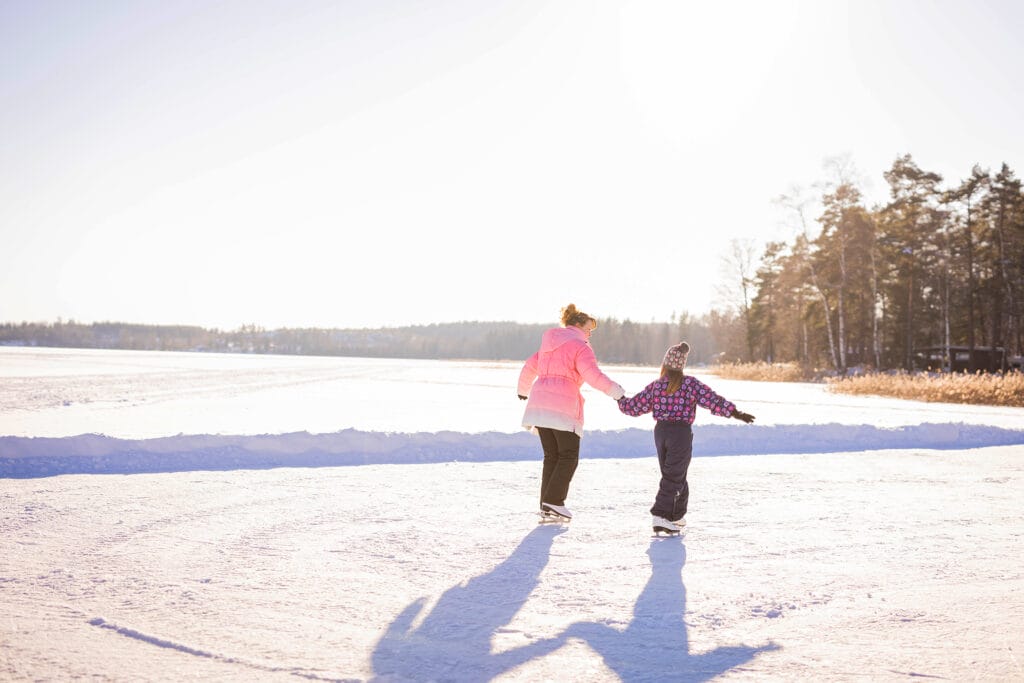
{"x": 673, "y": 399}
{"x": 550, "y": 383}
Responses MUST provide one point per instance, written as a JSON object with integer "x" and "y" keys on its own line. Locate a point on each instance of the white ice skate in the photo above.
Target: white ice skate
{"x": 558, "y": 512}
{"x": 662, "y": 525}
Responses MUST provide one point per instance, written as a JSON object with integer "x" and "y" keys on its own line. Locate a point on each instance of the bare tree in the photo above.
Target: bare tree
{"x": 843, "y": 195}
{"x": 736, "y": 285}
{"x": 797, "y": 203}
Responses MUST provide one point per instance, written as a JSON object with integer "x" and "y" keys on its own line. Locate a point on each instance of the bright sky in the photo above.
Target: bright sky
{"x": 370, "y": 163}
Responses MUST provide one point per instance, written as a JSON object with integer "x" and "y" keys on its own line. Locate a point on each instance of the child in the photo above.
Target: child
{"x": 673, "y": 398}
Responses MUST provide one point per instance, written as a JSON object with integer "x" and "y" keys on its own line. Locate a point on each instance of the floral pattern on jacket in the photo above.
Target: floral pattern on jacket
{"x": 678, "y": 407}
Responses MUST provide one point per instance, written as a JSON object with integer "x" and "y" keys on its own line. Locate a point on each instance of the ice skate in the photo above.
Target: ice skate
{"x": 557, "y": 512}
{"x": 662, "y": 525}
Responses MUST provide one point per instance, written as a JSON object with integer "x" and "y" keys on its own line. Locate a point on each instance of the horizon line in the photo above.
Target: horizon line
{"x": 72, "y": 321}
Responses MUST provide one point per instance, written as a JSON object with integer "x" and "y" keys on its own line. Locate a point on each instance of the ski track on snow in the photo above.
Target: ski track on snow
{"x": 170, "y": 645}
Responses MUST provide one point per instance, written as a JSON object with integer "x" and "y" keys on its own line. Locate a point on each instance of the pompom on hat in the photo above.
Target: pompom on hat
{"x": 675, "y": 357}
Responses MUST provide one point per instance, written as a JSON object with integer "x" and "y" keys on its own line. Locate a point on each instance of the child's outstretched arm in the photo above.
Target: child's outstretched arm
{"x": 718, "y": 405}
{"x": 708, "y": 399}
{"x": 638, "y": 405}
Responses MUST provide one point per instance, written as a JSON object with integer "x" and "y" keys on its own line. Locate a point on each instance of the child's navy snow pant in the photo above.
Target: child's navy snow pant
{"x": 561, "y": 456}
{"x": 674, "y": 441}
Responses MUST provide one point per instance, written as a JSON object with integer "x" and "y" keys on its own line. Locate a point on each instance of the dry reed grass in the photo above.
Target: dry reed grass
{"x": 762, "y": 372}
{"x": 982, "y": 389}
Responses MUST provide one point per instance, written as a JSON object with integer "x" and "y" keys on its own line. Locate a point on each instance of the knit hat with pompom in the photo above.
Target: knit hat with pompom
{"x": 675, "y": 357}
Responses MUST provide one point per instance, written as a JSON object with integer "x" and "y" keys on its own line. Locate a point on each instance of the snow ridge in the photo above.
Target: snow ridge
{"x": 26, "y": 457}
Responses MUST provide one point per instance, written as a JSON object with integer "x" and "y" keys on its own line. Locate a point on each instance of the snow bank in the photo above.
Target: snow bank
{"x": 95, "y": 453}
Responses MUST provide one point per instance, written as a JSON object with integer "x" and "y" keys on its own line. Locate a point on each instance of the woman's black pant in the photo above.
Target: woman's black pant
{"x": 674, "y": 441}
{"x": 561, "y": 456}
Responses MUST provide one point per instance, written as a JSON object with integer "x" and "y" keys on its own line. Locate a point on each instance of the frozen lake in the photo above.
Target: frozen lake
{"x": 145, "y": 394}
{"x": 353, "y": 519}
{"x": 78, "y": 411}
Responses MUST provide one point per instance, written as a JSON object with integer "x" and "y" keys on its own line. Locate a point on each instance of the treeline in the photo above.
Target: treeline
{"x": 934, "y": 267}
{"x": 614, "y": 341}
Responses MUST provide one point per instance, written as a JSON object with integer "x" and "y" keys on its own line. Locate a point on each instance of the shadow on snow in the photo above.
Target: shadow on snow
{"x": 453, "y": 641}
{"x": 655, "y": 645}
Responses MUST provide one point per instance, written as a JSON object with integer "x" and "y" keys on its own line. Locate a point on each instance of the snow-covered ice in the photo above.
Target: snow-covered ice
{"x": 357, "y": 519}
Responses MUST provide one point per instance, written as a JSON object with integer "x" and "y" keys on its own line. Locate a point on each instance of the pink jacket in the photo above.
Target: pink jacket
{"x": 564, "y": 362}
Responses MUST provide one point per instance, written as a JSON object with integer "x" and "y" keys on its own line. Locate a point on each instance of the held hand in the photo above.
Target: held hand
{"x": 746, "y": 417}
{"x": 521, "y": 397}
